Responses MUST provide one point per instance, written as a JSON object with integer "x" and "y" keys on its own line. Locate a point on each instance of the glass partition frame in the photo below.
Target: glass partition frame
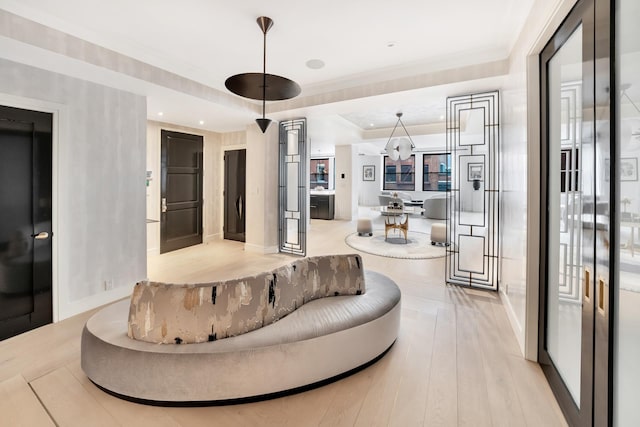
{"x": 473, "y": 204}
{"x": 292, "y": 187}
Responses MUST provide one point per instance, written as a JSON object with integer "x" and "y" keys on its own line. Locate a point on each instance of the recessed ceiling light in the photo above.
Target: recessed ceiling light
{"x": 441, "y": 117}
{"x": 201, "y": 122}
{"x": 391, "y": 44}
{"x": 315, "y": 64}
{"x": 160, "y": 113}
{"x": 371, "y": 124}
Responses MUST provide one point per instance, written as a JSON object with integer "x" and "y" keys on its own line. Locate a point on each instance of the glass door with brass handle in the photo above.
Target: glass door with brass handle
{"x": 577, "y": 164}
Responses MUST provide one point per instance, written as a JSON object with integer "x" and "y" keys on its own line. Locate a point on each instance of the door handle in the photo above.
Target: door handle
{"x": 164, "y": 204}
{"x": 587, "y": 284}
{"x": 239, "y": 206}
{"x": 601, "y": 304}
{"x": 43, "y": 235}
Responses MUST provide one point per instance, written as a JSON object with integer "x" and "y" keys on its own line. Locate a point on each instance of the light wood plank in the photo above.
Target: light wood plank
{"x": 379, "y": 402}
{"x": 25, "y": 353}
{"x": 409, "y": 404}
{"x": 68, "y": 402}
{"x": 503, "y": 328}
{"x": 19, "y": 406}
{"x": 473, "y": 397}
{"x": 442, "y": 409}
{"x": 541, "y": 409}
{"x": 504, "y": 403}
{"x": 347, "y": 399}
{"x": 126, "y": 413}
{"x": 237, "y": 415}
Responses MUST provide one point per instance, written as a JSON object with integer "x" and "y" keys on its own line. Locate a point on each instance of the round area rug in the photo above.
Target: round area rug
{"x": 418, "y": 245}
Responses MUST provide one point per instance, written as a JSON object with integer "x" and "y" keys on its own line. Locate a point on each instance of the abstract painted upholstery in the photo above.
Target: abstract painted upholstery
{"x": 194, "y": 313}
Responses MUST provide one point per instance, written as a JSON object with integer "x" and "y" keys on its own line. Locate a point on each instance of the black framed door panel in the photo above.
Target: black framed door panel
{"x": 181, "y": 190}
{"x": 582, "y": 42}
{"x": 606, "y": 213}
{"x": 234, "y": 194}
{"x": 26, "y": 225}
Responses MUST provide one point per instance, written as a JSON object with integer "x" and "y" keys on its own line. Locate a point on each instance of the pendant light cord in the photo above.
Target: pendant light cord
{"x": 264, "y": 71}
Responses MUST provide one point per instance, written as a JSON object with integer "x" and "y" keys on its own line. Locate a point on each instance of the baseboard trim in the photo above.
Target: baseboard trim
{"x": 513, "y": 320}
{"x": 211, "y": 237}
{"x": 89, "y": 303}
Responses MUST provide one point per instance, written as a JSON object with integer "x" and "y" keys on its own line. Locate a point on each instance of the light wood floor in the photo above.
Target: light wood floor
{"x": 456, "y": 361}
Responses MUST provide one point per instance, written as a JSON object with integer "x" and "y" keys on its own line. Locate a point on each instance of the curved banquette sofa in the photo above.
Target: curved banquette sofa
{"x": 298, "y": 326}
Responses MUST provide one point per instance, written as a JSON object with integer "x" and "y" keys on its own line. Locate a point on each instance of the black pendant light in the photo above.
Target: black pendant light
{"x": 262, "y": 86}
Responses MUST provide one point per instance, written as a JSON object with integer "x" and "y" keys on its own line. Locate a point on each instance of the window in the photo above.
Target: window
{"x": 319, "y": 169}
{"x": 400, "y": 174}
{"x": 436, "y": 172}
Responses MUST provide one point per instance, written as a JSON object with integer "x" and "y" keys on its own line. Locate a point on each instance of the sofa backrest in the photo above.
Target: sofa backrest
{"x": 386, "y": 200}
{"x": 192, "y": 313}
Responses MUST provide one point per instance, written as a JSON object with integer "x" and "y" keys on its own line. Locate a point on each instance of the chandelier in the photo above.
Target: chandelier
{"x": 262, "y": 86}
{"x": 399, "y": 148}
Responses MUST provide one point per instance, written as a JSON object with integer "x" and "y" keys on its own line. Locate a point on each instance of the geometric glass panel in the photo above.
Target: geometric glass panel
{"x": 473, "y": 196}
{"x": 292, "y": 187}
{"x": 471, "y": 254}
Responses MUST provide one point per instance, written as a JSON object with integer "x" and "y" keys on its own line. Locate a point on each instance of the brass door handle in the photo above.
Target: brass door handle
{"x": 43, "y": 235}
{"x": 587, "y": 284}
{"x": 601, "y": 293}
{"x": 164, "y": 205}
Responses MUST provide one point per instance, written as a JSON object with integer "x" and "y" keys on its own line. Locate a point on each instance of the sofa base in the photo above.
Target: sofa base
{"x": 322, "y": 341}
{"x": 242, "y": 400}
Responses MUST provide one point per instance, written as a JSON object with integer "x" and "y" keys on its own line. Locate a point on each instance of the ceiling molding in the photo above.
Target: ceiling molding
{"x": 436, "y": 78}
{"x": 426, "y": 129}
{"x": 26, "y": 31}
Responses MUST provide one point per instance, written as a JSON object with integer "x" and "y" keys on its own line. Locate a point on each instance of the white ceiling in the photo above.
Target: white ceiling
{"x": 209, "y": 40}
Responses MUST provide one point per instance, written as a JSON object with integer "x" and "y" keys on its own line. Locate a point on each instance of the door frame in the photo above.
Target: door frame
{"x": 597, "y": 337}
{"x": 576, "y": 415}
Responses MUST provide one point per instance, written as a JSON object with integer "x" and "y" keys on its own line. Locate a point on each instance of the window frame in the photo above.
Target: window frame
{"x": 400, "y": 180}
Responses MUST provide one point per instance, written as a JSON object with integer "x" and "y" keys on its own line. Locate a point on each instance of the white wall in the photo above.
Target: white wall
{"x": 520, "y": 147}
{"x": 262, "y": 189}
{"x": 99, "y": 183}
{"x": 346, "y": 199}
{"x": 213, "y": 182}
{"x": 368, "y": 191}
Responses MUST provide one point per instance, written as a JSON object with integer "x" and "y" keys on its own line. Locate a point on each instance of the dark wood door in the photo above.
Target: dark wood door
{"x": 181, "y": 191}
{"x": 235, "y": 166}
{"x": 25, "y": 220}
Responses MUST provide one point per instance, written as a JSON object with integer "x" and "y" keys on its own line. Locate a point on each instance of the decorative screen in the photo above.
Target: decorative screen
{"x": 292, "y": 187}
{"x": 473, "y": 139}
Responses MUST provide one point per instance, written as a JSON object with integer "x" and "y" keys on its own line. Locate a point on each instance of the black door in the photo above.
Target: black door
{"x": 25, "y": 220}
{"x": 235, "y": 166}
{"x": 181, "y": 191}
{"x": 576, "y": 212}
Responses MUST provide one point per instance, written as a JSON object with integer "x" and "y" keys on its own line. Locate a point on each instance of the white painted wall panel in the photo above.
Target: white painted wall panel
{"x": 99, "y": 196}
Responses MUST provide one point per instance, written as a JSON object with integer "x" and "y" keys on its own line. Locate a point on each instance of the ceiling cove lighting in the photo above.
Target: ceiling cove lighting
{"x": 399, "y": 148}
{"x": 262, "y": 86}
